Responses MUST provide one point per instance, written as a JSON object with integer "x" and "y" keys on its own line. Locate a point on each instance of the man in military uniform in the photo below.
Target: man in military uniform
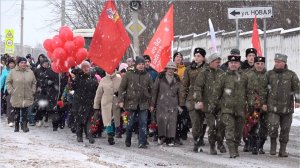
{"x": 186, "y": 99}
{"x": 284, "y": 89}
{"x": 204, "y": 87}
{"x": 251, "y": 53}
{"x": 257, "y": 116}
{"x": 232, "y": 91}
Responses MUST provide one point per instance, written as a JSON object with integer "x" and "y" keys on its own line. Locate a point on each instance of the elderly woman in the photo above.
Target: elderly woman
{"x": 84, "y": 85}
{"x": 106, "y": 98}
{"x": 21, "y": 85}
{"x": 165, "y": 95}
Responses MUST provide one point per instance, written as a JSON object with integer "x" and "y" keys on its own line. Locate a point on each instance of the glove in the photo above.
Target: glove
{"x": 250, "y": 110}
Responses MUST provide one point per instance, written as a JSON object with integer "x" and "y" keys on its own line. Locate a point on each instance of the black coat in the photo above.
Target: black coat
{"x": 84, "y": 86}
{"x": 49, "y": 86}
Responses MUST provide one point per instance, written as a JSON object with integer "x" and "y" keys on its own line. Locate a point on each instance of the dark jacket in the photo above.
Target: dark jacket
{"x": 135, "y": 90}
{"x": 152, "y": 72}
{"x": 284, "y": 88}
{"x": 84, "y": 86}
{"x": 246, "y": 66}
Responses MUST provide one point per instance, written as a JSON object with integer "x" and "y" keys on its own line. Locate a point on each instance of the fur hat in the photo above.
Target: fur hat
{"x": 171, "y": 65}
{"x": 234, "y": 58}
{"x": 281, "y": 57}
{"x": 251, "y": 50}
{"x": 22, "y": 59}
{"x": 177, "y": 53}
{"x": 147, "y": 58}
{"x": 10, "y": 60}
{"x": 200, "y": 51}
{"x": 139, "y": 60}
{"x": 213, "y": 57}
{"x": 235, "y": 52}
{"x": 259, "y": 59}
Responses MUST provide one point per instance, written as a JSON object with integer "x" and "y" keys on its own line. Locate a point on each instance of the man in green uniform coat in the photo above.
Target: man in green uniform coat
{"x": 283, "y": 90}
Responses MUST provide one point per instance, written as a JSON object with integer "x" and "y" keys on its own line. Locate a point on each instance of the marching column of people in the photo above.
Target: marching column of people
{"x": 245, "y": 101}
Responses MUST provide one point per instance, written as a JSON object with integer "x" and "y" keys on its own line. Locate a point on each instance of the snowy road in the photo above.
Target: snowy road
{"x": 42, "y": 147}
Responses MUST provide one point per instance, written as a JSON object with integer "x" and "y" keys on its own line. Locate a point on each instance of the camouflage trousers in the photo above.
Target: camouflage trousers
{"x": 233, "y": 128}
{"x": 284, "y": 121}
{"x": 197, "y": 118}
{"x": 216, "y": 128}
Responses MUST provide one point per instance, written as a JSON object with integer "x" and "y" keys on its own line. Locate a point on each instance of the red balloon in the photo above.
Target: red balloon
{"x": 65, "y": 33}
{"x": 69, "y": 47}
{"x": 81, "y": 54}
{"x": 70, "y": 62}
{"x": 50, "y": 55}
{"x": 48, "y": 45}
{"x": 59, "y": 54}
{"x": 56, "y": 42}
{"x": 79, "y": 42}
{"x": 55, "y": 68}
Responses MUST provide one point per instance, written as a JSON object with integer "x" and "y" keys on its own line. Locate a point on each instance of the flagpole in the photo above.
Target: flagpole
{"x": 265, "y": 42}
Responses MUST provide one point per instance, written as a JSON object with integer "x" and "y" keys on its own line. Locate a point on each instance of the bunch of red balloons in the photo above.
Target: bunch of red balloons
{"x": 65, "y": 50}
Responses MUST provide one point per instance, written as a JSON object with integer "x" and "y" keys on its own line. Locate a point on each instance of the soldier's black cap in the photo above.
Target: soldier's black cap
{"x": 251, "y": 50}
{"x": 200, "y": 51}
{"x": 234, "y": 58}
{"x": 259, "y": 59}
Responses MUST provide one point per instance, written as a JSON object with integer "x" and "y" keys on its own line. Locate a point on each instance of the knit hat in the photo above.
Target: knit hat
{"x": 177, "y": 53}
{"x": 171, "y": 65}
{"x": 235, "y": 52}
{"x": 259, "y": 59}
{"x": 139, "y": 60}
{"x": 21, "y": 59}
{"x": 213, "y": 57}
{"x": 234, "y": 58}
{"x": 281, "y": 57}
{"x": 147, "y": 58}
{"x": 122, "y": 66}
{"x": 200, "y": 51}
{"x": 251, "y": 50}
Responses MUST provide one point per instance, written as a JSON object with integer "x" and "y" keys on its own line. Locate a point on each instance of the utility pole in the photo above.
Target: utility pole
{"x": 63, "y": 12}
{"x": 22, "y": 27}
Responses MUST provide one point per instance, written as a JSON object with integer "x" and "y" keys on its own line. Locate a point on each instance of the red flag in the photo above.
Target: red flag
{"x": 255, "y": 38}
{"x": 110, "y": 39}
{"x": 159, "y": 48}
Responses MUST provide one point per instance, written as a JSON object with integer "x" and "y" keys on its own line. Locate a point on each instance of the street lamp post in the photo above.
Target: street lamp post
{"x": 135, "y": 6}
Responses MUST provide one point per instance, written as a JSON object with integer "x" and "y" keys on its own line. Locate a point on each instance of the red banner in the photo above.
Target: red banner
{"x": 255, "y": 38}
{"x": 159, "y": 48}
{"x": 110, "y": 39}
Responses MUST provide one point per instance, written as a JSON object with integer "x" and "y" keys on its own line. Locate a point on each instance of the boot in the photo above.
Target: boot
{"x": 17, "y": 127}
{"x": 197, "y": 148}
{"x": 232, "y": 150}
{"x": 236, "y": 150}
{"x": 221, "y": 148}
{"x": 91, "y": 139}
{"x": 254, "y": 150}
{"x": 128, "y": 142}
{"x": 24, "y": 127}
{"x": 246, "y": 146}
{"x": 213, "y": 150}
{"x": 79, "y": 139}
{"x": 261, "y": 147}
{"x": 111, "y": 140}
{"x": 282, "y": 150}
{"x": 273, "y": 146}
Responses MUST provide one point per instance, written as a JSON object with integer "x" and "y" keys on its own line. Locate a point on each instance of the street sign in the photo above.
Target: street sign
{"x": 141, "y": 27}
{"x": 244, "y": 13}
{"x": 9, "y": 41}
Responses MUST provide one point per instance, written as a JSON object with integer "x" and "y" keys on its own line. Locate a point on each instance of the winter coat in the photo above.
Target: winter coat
{"x": 233, "y": 92}
{"x": 49, "y": 86}
{"x": 180, "y": 70}
{"x": 135, "y": 90}
{"x": 21, "y": 85}
{"x": 106, "y": 99}
{"x": 187, "y": 85}
{"x": 3, "y": 77}
{"x": 259, "y": 84}
{"x": 205, "y": 86}
{"x": 152, "y": 72}
{"x": 284, "y": 88}
{"x": 165, "y": 98}
{"x": 84, "y": 86}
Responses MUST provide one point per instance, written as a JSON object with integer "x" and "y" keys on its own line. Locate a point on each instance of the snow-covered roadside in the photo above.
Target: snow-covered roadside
{"x": 296, "y": 117}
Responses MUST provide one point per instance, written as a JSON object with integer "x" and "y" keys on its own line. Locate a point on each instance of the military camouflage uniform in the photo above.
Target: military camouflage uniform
{"x": 232, "y": 90}
{"x": 284, "y": 89}
{"x": 258, "y": 83}
{"x": 187, "y": 99}
{"x": 204, "y": 87}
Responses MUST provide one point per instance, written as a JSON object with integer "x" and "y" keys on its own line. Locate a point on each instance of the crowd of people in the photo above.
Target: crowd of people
{"x": 236, "y": 101}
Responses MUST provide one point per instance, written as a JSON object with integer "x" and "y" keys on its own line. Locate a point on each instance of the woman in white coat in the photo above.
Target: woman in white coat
{"x": 106, "y": 101}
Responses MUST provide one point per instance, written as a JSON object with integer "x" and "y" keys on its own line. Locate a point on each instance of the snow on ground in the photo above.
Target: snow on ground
{"x": 43, "y": 148}
{"x": 296, "y": 117}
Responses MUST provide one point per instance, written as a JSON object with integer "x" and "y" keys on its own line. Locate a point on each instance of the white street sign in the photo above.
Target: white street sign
{"x": 244, "y": 13}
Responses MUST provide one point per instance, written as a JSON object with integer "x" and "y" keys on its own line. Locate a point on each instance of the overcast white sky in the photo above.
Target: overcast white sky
{"x": 37, "y": 14}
